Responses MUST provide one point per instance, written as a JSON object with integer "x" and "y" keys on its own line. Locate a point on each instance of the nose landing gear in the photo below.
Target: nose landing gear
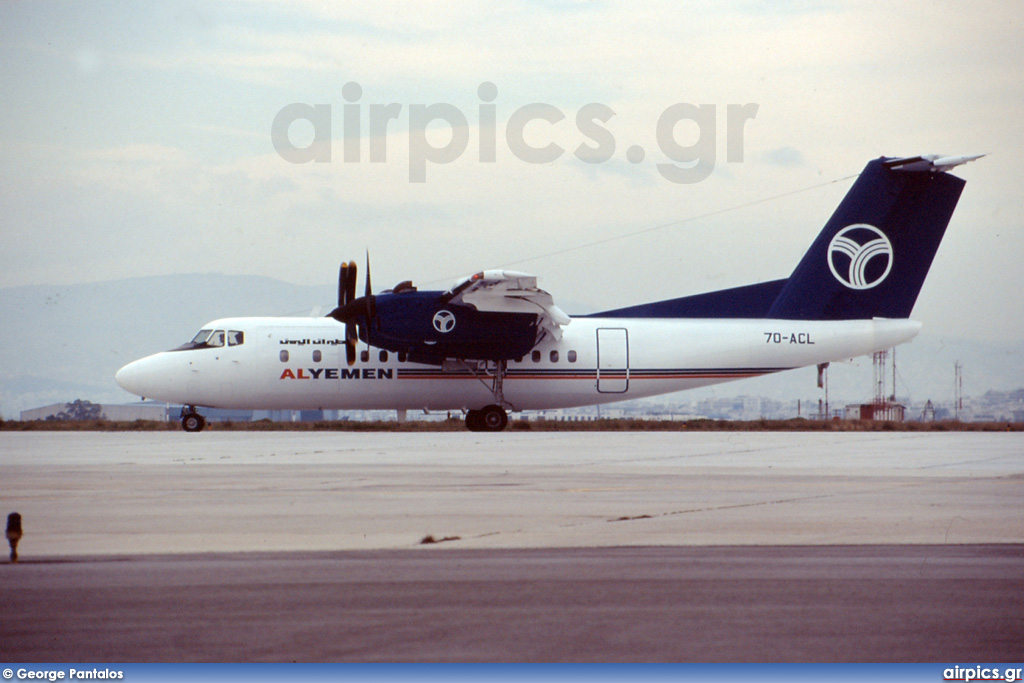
{"x": 192, "y": 421}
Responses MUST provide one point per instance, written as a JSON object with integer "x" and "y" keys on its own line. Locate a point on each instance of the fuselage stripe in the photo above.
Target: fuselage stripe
{"x": 539, "y": 374}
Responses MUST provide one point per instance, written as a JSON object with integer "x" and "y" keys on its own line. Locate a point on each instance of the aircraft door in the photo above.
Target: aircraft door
{"x": 612, "y": 360}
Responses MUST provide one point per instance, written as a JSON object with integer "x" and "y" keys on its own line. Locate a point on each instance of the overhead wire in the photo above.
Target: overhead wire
{"x": 662, "y": 226}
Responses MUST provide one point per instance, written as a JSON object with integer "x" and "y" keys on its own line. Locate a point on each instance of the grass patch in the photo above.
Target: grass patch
{"x": 457, "y": 425}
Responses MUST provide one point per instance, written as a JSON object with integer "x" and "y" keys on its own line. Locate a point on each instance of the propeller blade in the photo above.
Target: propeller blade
{"x": 371, "y": 311}
{"x": 342, "y": 287}
{"x": 350, "y": 285}
{"x": 371, "y": 300}
{"x": 350, "y": 342}
{"x": 368, "y": 291}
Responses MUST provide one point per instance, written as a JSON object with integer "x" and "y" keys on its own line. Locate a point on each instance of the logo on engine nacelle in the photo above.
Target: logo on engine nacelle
{"x": 444, "y": 321}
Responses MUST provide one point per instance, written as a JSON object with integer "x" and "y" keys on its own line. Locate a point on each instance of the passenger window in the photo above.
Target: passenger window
{"x": 217, "y": 339}
{"x": 572, "y": 356}
{"x": 284, "y": 355}
{"x": 383, "y": 355}
{"x": 317, "y": 356}
{"x": 535, "y": 356}
{"x": 235, "y": 338}
{"x": 553, "y": 356}
{"x": 364, "y": 356}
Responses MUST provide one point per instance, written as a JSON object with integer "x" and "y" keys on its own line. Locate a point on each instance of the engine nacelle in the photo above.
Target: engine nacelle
{"x": 428, "y": 330}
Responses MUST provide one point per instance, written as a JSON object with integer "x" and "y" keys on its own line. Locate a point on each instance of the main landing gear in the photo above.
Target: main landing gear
{"x": 191, "y": 421}
{"x": 491, "y": 418}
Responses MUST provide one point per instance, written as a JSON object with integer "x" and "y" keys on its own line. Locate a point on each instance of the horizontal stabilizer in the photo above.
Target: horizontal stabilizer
{"x": 930, "y": 162}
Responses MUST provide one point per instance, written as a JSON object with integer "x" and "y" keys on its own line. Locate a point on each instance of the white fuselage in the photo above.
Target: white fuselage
{"x": 299, "y": 364}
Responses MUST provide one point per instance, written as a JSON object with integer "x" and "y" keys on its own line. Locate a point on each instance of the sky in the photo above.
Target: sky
{"x": 139, "y": 139}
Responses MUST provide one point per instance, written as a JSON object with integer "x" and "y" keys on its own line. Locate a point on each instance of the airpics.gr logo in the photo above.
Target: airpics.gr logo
{"x": 444, "y": 321}
{"x": 860, "y": 256}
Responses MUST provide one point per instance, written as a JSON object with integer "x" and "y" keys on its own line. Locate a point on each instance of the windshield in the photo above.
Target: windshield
{"x": 211, "y": 339}
{"x": 201, "y": 337}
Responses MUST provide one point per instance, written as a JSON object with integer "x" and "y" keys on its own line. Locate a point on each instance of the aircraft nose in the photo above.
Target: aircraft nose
{"x": 129, "y": 378}
{"x": 141, "y": 377}
{"x": 162, "y": 376}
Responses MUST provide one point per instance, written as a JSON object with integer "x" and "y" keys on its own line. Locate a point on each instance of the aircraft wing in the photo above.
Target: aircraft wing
{"x": 509, "y": 291}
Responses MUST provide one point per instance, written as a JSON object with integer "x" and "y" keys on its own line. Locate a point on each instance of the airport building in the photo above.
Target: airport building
{"x": 119, "y": 413}
{"x": 145, "y": 410}
{"x": 886, "y": 411}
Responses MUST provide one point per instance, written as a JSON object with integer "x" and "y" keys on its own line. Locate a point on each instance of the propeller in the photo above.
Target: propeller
{"x": 371, "y": 300}
{"x": 350, "y": 308}
{"x": 346, "y": 295}
{"x": 347, "y": 283}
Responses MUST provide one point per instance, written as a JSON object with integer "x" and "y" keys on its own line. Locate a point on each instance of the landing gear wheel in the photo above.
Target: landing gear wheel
{"x": 192, "y": 422}
{"x": 493, "y": 418}
{"x": 474, "y": 421}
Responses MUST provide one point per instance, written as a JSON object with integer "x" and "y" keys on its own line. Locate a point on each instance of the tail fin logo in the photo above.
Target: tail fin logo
{"x": 860, "y": 256}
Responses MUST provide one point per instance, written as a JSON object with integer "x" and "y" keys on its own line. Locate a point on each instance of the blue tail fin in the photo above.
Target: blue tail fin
{"x": 872, "y": 257}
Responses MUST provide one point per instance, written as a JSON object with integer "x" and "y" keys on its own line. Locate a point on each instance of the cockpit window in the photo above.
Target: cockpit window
{"x": 201, "y": 337}
{"x": 209, "y": 339}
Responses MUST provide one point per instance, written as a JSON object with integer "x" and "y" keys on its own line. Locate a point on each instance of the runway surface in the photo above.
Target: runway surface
{"x": 554, "y": 547}
{"x": 697, "y": 604}
{"x": 97, "y": 493}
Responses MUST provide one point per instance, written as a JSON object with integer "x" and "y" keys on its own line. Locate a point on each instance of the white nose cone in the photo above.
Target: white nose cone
{"x": 160, "y": 376}
{"x": 131, "y": 378}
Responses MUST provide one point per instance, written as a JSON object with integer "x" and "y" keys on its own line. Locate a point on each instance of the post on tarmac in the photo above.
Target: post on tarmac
{"x": 14, "y": 534}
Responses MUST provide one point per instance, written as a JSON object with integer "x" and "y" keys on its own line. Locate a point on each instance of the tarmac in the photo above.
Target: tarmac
{"x": 624, "y": 546}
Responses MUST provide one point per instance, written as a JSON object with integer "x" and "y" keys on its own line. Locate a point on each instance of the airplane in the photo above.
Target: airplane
{"x": 495, "y": 342}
